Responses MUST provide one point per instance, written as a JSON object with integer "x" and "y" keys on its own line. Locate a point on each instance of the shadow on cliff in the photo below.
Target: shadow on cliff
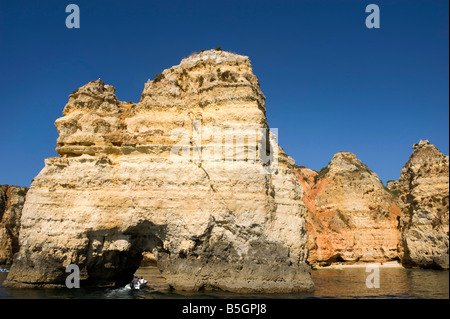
{"x": 114, "y": 255}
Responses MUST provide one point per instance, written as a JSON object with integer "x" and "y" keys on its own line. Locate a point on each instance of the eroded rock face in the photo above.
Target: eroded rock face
{"x": 117, "y": 192}
{"x": 12, "y": 199}
{"x": 352, "y": 216}
{"x": 424, "y": 192}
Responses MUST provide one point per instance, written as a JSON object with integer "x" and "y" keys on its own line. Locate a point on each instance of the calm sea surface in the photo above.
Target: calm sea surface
{"x": 329, "y": 283}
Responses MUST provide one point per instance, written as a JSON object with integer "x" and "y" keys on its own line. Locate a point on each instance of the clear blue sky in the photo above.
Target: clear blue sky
{"x": 330, "y": 83}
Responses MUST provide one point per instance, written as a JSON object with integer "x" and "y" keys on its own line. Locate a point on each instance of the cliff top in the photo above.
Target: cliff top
{"x": 347, "y": 162}
{"x": 214, "y": 56}
{"x": 424, "y": 151}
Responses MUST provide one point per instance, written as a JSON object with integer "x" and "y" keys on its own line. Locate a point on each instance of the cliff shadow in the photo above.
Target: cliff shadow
{"x": 114, "y": 255}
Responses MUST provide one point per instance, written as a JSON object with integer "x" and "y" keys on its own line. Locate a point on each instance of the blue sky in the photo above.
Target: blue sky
{"x": 331, "y": 84}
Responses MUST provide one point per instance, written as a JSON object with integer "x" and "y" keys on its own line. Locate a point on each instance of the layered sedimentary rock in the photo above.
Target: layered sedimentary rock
{"x": 12, "y": 199}
{"x": 352, "y": 217}
{"x": 155, "y": 177}
{"x": 423, "y": 188}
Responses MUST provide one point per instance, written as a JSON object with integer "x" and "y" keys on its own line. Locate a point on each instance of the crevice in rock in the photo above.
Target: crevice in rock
{"x": 209, "y": 178}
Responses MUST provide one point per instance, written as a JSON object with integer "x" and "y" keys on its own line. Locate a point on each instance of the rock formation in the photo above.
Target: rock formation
{"x": 352, "y": 217}
{"x": 119, "y": 189}
{"x": 424, "y": 192}
{"x": 12, "y": 199}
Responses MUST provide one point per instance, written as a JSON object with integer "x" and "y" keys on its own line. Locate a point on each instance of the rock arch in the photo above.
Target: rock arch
{"x": 113, "y": 256}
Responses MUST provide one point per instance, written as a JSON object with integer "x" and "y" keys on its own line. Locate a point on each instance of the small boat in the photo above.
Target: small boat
{"x": 4, "y": 270}
{"x": 139, "y": 286}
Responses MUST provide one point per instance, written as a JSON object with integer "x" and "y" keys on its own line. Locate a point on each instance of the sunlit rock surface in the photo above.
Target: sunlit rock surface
{"x": 116, "y": 192}
{"x": 352, "y": 217}
{"x": 424, "y": 192}
{"x": 12, "y": 199}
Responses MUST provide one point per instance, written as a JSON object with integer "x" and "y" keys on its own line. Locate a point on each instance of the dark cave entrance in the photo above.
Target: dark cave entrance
{"x": 337, "y": 258}
{"x": 113, "y": 256}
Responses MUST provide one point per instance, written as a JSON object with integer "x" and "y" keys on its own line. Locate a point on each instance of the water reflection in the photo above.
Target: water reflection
{"x": 329, "y": 283}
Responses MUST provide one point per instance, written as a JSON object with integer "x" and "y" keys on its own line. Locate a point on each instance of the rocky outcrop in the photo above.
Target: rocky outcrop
{"x": 352, "y": 217}
{"x": 423, "y": 188}
{"x": 12, "y": 199}
{"x": 156, "y": 177}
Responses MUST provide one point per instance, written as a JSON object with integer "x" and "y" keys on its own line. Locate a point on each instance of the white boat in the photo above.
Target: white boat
{"x": 4, "y": 270}
{"x": 138, "y": 286}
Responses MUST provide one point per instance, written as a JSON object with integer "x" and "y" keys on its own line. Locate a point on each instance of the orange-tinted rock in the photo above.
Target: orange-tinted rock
{"x": 352, "y": 216}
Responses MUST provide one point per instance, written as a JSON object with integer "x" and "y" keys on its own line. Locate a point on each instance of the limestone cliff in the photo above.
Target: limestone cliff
{"x": 352, "y": 217}
{"x": 424, "y": 192}
{"x": 12, "y": 199}
{"x": 119, "y": 189}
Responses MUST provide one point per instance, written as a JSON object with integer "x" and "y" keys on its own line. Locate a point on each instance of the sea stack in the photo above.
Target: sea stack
{"x": 423, "y": 187}
{"x": 352, "y": 217}
{"x": 119, "y": 189}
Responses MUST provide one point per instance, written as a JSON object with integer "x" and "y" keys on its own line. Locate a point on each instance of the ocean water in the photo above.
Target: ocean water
{"x": 395, "y": 283}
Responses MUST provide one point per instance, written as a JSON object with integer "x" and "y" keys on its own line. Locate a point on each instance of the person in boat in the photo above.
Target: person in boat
{"x": 133, "y": 282}
{"x": 142, "y": 280}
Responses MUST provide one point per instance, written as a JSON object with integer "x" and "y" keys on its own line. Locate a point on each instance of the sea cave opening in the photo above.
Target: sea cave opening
{"x": 114, "y": 256}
